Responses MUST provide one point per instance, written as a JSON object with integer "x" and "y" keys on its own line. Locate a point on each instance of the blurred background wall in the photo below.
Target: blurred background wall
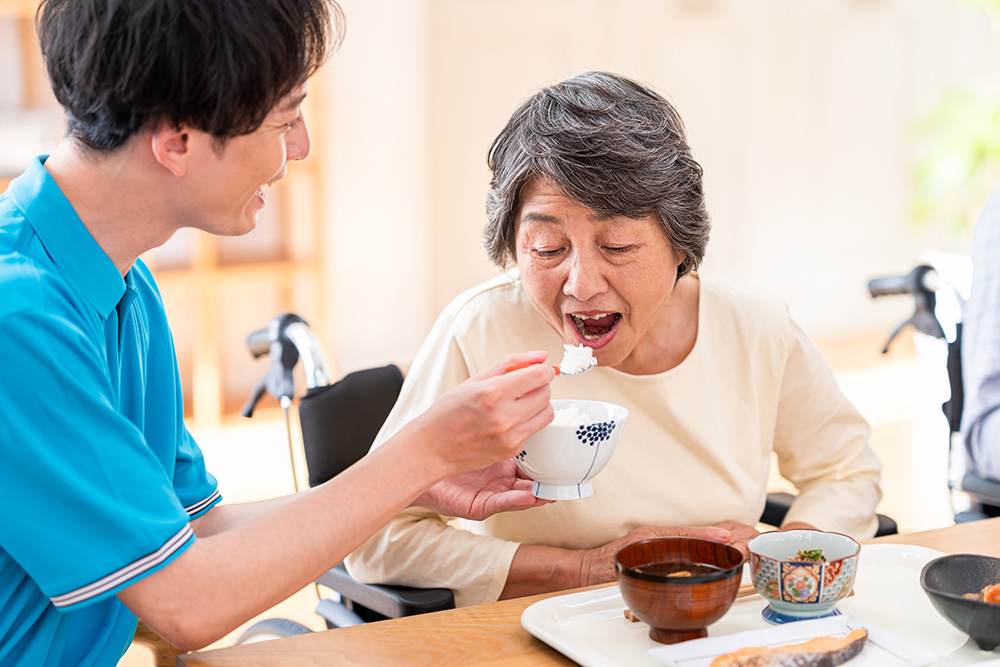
{"x": 803, "y": 114}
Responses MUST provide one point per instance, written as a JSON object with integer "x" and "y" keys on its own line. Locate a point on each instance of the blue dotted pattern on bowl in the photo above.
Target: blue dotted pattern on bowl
{"x": 591, "y": 434}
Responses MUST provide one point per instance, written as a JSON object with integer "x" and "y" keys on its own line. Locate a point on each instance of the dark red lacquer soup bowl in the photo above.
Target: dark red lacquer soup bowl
{"x": 679, "y": 586}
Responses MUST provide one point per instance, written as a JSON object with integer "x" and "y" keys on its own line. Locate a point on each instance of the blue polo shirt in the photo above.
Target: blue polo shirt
{"x": 99, "y": 478}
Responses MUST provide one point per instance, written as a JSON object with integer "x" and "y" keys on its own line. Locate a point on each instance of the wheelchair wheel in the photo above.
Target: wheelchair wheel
{"x": 271, "y": 628}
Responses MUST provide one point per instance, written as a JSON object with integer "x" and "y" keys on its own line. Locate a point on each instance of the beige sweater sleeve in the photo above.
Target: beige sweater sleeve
{"x": 419, "y": 547}
{"x": 822, "y": 445}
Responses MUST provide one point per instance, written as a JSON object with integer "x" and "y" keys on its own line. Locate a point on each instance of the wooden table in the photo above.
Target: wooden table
{"x": 489, "y": 634}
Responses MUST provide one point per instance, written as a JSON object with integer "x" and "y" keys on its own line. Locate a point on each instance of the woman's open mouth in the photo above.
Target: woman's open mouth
{"x": 595, "y": 328}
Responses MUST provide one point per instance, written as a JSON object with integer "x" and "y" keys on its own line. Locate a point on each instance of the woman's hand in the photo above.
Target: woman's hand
{"x": 597, "y": 566}
{"x": 479, "y": 494}
{"x": 798, "y": 525}
{"x": 739, "y": 534}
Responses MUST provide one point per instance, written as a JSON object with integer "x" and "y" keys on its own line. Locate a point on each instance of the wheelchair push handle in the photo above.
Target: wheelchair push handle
{"x": 889, "y": 286}
{"x": 922, "y": 284}
{"x": 922, "y": 280}
{"x": 259, "y": 343}
{"x": 286, "y": 340}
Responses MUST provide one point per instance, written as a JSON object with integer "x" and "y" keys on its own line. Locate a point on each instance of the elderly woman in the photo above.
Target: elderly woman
{"x": 598, "y": 201}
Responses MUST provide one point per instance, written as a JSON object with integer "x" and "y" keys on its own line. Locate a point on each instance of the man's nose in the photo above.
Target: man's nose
{"x": 297, "y": 141}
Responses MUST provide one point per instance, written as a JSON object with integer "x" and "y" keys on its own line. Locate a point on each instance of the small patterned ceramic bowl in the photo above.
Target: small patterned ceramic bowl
{"x": 797, "y": 588}
{"x": 562, "y": 458}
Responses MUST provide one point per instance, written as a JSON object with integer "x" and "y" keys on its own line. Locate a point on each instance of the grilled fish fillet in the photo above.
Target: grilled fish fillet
{"x": 818, "y": 652}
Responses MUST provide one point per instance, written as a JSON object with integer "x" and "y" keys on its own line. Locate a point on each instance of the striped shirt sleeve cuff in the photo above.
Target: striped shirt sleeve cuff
{"x": 202, "y": 505}
{"x": 127, "y": 573}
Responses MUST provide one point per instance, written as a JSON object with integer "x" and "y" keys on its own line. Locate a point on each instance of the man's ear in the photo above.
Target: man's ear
{"x": 171, "y": 146}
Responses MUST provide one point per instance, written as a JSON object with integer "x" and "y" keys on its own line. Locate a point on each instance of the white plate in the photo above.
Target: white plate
{"x": 590, "y": 628}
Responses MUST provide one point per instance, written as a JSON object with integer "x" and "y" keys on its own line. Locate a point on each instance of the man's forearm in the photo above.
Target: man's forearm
{"x": 207, "y": 590}
{"x": 226, "y": 516}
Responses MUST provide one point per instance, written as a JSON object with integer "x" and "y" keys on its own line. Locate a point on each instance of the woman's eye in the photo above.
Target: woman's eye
{"x": 546, "y": 252}
{"x": 617, "y": 249}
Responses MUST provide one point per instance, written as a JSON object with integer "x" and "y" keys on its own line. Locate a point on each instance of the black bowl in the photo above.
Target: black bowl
{"x": 947, "y": 578}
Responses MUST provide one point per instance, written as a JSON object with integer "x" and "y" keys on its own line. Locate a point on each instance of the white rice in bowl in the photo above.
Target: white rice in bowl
{"x": 571, "y": 417}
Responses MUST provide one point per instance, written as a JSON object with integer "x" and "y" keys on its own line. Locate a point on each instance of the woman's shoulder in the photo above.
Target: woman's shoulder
{"x": 733, "y": 309}
{"x": 499, "y": 296}
{"x": 742, "y": 300}
{"x": 494, "y": 311}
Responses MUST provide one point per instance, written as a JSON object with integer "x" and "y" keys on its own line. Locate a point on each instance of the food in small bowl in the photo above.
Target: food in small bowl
{"x": 564, "y": 456}
{"x": 802, "y": 573}
{"x": 678, "y": 585}
{"x": 953, "y": 584}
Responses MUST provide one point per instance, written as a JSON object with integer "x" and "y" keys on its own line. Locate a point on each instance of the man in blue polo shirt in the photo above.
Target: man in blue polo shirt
{"x": 178, "y": 113}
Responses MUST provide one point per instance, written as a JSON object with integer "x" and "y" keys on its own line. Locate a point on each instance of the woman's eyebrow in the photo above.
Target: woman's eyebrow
{"x": 537, "y": 216}
{"x": 534, "y": 216}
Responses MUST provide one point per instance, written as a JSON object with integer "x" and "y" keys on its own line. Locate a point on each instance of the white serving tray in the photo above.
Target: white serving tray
{"x": 590, "y": 628}
{"x": 882, "y": 648}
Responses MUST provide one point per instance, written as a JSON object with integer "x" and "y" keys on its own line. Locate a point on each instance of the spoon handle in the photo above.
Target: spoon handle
{"x": 514, "y": 367}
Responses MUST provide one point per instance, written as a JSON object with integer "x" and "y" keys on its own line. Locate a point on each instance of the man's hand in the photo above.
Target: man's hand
{"x": 597, "y": 566}
{"x": 485, "y": 419}
{"x": 482, "y": 493}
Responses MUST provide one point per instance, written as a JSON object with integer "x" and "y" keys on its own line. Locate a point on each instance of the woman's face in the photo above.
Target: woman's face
{"x": 602, "y": 281}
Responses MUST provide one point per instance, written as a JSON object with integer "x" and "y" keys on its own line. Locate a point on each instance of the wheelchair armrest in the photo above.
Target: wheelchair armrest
{"x": 985, "y": 490}
{"x": 389, "y": 601}
{"x": 776, "y": 507}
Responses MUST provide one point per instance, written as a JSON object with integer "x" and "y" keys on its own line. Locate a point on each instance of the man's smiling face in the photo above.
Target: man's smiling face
{"x": 227, "y": 193}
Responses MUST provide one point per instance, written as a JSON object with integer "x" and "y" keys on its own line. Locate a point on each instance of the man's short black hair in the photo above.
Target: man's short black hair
{"x": 218, "y": 65}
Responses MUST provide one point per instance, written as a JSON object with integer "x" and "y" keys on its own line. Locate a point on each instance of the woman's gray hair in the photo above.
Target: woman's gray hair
{"x": 609, "y": 143}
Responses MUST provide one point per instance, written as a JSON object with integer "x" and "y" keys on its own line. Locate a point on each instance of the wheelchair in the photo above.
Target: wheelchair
{"x": 338, "y": 423}
{"x": 939, "y": 288}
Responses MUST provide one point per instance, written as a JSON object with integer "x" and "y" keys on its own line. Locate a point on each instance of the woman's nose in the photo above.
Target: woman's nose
{"x": 584, "y": 279}
{"x": 297, "y": 141}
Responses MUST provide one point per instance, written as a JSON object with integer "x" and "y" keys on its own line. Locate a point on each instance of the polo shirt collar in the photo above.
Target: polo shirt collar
{"x": 66, "y": 239}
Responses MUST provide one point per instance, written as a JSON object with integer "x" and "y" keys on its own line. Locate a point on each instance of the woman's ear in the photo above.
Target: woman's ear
{"x": 171, "y": 147}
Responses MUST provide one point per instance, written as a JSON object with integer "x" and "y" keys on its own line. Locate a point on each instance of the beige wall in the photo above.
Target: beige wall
{"x": 800, "y": 112}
